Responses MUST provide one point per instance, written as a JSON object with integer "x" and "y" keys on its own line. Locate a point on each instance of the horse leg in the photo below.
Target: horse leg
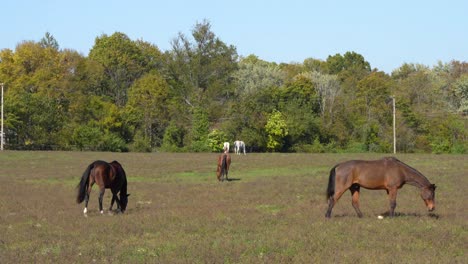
{"x": 112, "y": 202}
{"x": 355, "y": 202}
{"x": 101, "y": 196}
{"x": 333, "y": 200}
{"x": 87, "y": 194}
{"x": 118, "y": 202}
{"x": 114, "y": 199}
{"x": 392, "y": 193}
{"x": 331, "y": 203}
{"x": 86, "y": 201}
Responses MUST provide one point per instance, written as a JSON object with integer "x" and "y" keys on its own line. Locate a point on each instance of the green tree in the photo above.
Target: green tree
{"x": 461, "y": 93}
{"x": 254, "y": 75}
{"x": 200, "y": 70}
{"x": 372, "y": 104}
{"x": 48, "y": 41}
{"x": 200, "y": 130}
{"x": 327, "y": 88}
{"x": 216, "y": 139}
{"x": 298, "y": 104}
{"x": 122, "y": 63}
{"x": 315, "y": 65}
{"x": 276, "y": 130}
{"x": 350, "y": 61}
{"x": 152, "y": 57}
{"x": 173, "y": 138}
{"x": 149, "y": 103}
{"x": 350, "y": 69}
{"x": 38, "y": 93}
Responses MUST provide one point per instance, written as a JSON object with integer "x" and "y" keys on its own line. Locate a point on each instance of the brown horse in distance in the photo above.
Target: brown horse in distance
{"x": 224, "y": 161}
{"x": 389, "y": 174}
{"x": 107, "y": 176}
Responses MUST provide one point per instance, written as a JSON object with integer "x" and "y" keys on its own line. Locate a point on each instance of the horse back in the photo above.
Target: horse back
{"x": 120, "y": 180}
{"x": 120, "y": 172}
{"x": 105, "y": 174}
{"x": 371, "y": 174}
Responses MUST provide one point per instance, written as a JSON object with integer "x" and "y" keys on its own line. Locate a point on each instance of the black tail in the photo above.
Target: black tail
{"x": 83, "y": 185}
{"x": 224, "y": 166}
{"x": 331, "y": 183}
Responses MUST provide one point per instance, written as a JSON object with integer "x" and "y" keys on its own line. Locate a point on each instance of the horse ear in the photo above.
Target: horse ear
{"x": 128, "y": 195}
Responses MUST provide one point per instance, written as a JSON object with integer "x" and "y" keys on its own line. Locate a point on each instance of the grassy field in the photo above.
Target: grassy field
{"x": 273, "y": 212}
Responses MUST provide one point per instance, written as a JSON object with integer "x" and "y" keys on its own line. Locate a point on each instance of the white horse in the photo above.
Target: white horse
{"x": 226, "y": 147}
{"x": 239, "y": 146}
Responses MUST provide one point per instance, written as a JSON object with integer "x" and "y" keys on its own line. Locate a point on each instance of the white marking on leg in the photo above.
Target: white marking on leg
{"x": 85, "y": 210}
{"x": 102, "y": 211}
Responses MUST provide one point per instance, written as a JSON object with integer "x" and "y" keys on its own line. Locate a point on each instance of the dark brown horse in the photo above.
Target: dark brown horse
{"x": 224, "y": 161}
{"x": 388, "y": 174}
{"x": 107, "y": 176}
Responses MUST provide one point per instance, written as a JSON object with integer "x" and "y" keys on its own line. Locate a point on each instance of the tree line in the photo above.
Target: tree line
{"x": 128, "y": 95}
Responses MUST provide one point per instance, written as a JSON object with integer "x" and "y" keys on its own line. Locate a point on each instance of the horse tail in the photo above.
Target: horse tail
{"x": 83, "y": 185}
{"x": 224, "y": 165}
{"x": 331, "y": 183}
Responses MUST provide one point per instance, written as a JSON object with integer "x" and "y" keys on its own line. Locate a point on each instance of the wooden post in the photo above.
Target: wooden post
{"x": 394, "y": 125}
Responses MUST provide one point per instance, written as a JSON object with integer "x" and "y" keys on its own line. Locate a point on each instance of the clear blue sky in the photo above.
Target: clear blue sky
{"x": 386, "y": 33}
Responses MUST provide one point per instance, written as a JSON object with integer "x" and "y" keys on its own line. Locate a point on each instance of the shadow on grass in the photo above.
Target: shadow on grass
{"x": 387, "y": 214}
{"x": 431, "y": 215}
{"x": 233, "y": 179}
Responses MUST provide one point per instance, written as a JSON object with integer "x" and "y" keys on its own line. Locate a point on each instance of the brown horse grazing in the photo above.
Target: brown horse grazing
{"x": 224, "y": 161}
{"x": 388, "y": 174}
{"x": 107, "y": 176}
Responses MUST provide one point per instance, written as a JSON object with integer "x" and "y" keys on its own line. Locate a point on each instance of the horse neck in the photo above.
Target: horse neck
{"x": 415, "y": 178}
{"x": 123, "y": 190}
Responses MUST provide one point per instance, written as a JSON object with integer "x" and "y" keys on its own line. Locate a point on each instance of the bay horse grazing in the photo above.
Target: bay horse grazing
{"x": 239, "y": 146}
{"x": 224, "y": 161}
{"x": 388, "y": 174}
{"x": 107, "y": 176}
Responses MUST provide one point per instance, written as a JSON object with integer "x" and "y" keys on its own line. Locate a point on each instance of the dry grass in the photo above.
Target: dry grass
{"x": 178, "y": 213}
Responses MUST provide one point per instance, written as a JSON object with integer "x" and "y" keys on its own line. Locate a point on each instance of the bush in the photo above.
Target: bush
{"x": 86, "y": 137}
{"x": 458, "y": 149}
{"x": 216, "y": 140}
{"x": 200, "y": 146}
{"x": 440, "y": 145}
{"x": 112, "y": 142}
{"x": 355, "y": 147}
{"x": 173, "y": 140}
{"x": 141, "y": 143}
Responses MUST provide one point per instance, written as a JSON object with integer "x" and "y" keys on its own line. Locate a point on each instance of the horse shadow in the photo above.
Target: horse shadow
{"x": 387, "y": 214}
{"x": 397, "y": 214}
{"x": 233, "y": 179}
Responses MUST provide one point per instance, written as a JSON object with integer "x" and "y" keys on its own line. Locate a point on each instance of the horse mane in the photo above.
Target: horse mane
{"x": 413, "y": 170}
{"x": 121, "y": 174}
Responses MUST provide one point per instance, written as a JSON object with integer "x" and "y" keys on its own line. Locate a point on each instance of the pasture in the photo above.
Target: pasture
{"x": 272, "y": 212}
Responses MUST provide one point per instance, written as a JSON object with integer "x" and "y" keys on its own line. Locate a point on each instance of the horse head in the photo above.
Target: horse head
{"x": 123, "y": 201}
{"x": 428, "y": 195}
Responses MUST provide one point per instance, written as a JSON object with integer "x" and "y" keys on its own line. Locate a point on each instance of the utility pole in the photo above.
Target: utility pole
{"x": 1, "y": 132}
{"x": 394, "y": 125}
